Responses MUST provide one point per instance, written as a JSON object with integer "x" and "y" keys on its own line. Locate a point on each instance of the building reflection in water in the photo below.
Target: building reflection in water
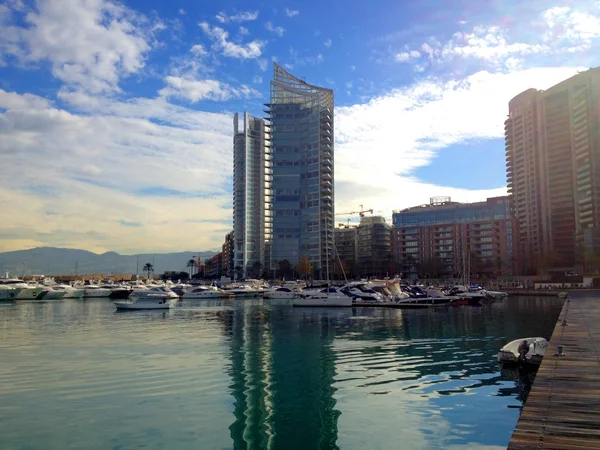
{"x": 282, "y": 380}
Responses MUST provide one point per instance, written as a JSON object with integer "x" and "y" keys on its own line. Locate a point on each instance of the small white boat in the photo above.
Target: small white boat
{"x": 160, "y": 297}
{"x": 536, "y": 350}
{"x": 324, "y": 297}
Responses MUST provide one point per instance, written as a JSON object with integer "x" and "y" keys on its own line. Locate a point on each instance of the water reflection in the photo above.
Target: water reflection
{"x": 290, "y": 367}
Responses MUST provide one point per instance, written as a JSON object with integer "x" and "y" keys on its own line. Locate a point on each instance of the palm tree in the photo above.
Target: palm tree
{"x": 148, "y": 268}
{"x": 190, "y": 265}
{"x": 208, "y": 265}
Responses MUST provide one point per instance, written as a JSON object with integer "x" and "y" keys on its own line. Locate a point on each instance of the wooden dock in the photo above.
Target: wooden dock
{"x": 562, "y": 410}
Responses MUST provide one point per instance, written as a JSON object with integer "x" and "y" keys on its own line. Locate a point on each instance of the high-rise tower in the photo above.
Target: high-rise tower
{"x": 553, "y": 170}
{"x": 300, "y": 116}
{"x": 251, "y": 174}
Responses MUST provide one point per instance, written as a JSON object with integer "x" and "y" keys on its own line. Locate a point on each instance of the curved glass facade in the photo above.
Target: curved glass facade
{"x": 300, "y": 118}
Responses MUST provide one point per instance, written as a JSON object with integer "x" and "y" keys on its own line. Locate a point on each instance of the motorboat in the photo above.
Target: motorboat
{"x": 435, "y": 298}
{"x": 490, "y": 295}
{"x": 360, "y": 292}
{"x": 281, "y": 293}
{"x": 69, "y": 291}
{"x": 94, "y": 291}
{"x": 202, "y": 292}
{"x": 243, "y": 290}
{"x": 10, "y": 287}
{"x": 32, "y": 292}
{"x": 472, "y": 297}
{"x": 389, "y": 289}
{"x": 537, "y": 347}
{"x": 117, "y": 292}
{"x": 52, "y": 294}
{"x": 331, "y": 296}
{"x": 159, "y": 297}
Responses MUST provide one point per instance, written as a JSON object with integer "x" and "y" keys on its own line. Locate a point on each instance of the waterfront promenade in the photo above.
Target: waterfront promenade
{"x": 563, "y": 408}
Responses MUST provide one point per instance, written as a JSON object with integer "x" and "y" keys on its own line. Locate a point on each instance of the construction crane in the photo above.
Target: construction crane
{"x": 361, "y": 213}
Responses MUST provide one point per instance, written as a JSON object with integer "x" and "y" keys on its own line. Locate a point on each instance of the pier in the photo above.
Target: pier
{"x": 562, "y": 410}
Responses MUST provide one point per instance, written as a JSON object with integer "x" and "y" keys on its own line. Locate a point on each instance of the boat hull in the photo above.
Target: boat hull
{"x": 119, "y": 293}
{"x": 323, "y": 301}
{"x": 53, "y": 295}
{"x": 509, "y": 354}
{"x": 130, "y": 306}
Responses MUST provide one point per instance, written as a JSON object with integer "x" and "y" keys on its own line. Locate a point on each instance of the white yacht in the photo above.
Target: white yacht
{"x": 32, "y": 292}
{"x": 159, "y": 297}
{"x": 52, "y": 294}
{"x": 69, "y": 291}
{"x": 536, "y": 349}
{"x": 202, "y": 292}
{"x": 331, "y": 296}
{"x": 243, "y": 290}
{"x": 93, "y": 291}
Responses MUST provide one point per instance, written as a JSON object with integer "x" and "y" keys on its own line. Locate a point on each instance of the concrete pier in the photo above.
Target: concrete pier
{"x": 562, "y": 410}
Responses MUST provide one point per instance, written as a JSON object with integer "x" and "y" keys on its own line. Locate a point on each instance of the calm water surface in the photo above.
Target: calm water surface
{"x": 75, "y": 374}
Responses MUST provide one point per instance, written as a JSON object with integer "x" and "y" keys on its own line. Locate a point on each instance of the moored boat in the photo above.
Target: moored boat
{"x": 331, "y": 296}
{"x": 159, "y": 297}
{"x": 281, "y": 293}
{"x": 202, "y": 292}
{"x": 536, "y": 349}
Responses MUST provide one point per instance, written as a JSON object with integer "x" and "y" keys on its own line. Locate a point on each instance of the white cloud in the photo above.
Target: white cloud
{"x": 257, "y": 79}
{"x": 109, "y": 164}
{"x": 263, "y": 64}
{"x": 91, "y": 45}
{"x": 250, "y": 50}
{"x": 273, "y": 29}
{"x": 181, "y": 11}
{"x": 327, "y": 43}
{"x": 244, "y": 31}
{"x": 405, "y": 129}
{"x": 196, "y": 90}
{"x": 245, "y": 16}
{"x": 291, "y": 12}
{"x": 407, "y": 56}
{"x": 198, "y": 50}
{"x": 558, "y": 30}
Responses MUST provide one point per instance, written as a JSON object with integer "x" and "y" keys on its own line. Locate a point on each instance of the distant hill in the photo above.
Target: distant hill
{"x": 64, "y": 261}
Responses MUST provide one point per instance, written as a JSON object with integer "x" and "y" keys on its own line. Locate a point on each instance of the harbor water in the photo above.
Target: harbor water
{"x": 247, "y": 374}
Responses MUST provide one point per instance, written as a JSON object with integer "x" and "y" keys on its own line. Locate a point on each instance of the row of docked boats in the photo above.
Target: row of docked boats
{"x": 47, "y": 289}
{"x": 390, "y": 292}
{"x": 162, "y": 295}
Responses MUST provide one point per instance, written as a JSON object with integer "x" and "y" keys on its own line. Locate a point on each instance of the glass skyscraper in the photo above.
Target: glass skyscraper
{"x": 300, "y": 146}
{"x": 251, "y": 173}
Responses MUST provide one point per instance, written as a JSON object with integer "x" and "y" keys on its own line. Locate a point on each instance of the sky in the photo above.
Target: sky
{"x": 116, "y": 117}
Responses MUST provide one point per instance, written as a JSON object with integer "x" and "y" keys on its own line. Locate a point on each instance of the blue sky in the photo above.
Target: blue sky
{"x": 120, "y": 113}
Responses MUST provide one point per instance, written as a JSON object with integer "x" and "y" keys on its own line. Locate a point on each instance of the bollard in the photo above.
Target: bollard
{"x": 559, "y": 350}
{"x": 564, "y": 323}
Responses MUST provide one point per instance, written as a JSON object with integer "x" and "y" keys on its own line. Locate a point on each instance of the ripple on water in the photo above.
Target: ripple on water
{"x": 223, "y": 374}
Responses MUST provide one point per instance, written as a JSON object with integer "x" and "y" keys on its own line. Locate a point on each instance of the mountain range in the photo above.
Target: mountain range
{"x": 66, "y": 261}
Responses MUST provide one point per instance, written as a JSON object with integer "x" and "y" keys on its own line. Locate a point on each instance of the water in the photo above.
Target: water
{"x": 75, "y": 374}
